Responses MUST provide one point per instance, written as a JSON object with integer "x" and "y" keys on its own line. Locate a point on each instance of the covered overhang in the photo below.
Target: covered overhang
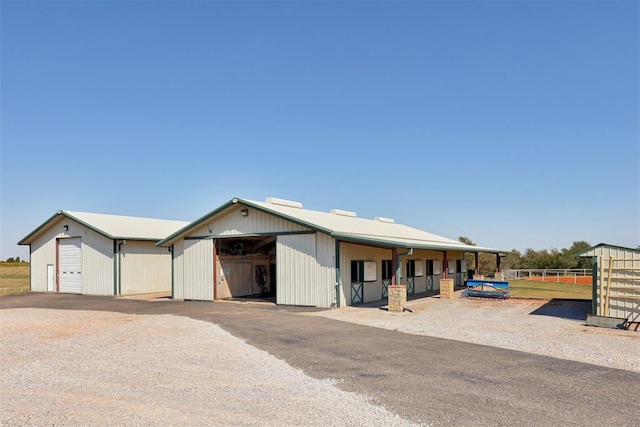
{"x": 389, "y": 242}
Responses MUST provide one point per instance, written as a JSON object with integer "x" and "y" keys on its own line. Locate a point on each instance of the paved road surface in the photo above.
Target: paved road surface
{"x": 432, "y": 380}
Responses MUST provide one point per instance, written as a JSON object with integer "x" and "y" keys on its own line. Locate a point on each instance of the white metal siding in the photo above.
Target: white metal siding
{"x": 232, "y": 223}
{"x": 627, "y": 309}
{"x": 305, "y": 270}
{"x": 97, "y": 258}
{"x": 198, "y": 270}
{"x": 70, "y": 271}
{"x": 178, "y": 270}
{"x": 146, "y": 268}
{"x": 326, "y": 270}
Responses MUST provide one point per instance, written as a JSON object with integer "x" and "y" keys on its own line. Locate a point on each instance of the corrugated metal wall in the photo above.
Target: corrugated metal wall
{"x": 326, "y": 270}
{"x": 193, "y": 259}
{"x": 232, "y": 223}
{"x": 627, "y": 309}
{"x": 146, "y": 268}
{"x": 197, "y": 270}
{"x": 178, "y": 270}
{"x": 97, "y": 258}
{"x": 305, "y": 270}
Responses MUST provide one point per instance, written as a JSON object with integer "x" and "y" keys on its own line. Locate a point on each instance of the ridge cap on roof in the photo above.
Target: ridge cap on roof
{"x": 328, "y": 213}
{"x": 71, "y": 212}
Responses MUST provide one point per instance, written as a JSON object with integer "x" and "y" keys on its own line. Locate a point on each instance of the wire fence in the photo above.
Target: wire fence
{"x": 567, "y": 275}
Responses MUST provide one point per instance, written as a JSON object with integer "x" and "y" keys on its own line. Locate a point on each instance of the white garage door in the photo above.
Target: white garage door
{"x": 70, "y": 265}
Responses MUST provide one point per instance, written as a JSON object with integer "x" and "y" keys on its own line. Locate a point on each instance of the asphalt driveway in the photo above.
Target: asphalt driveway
{"x": 426, "y": 379}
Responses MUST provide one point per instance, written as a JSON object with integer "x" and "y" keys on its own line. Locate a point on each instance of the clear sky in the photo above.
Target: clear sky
{"x": 514, "y": 123}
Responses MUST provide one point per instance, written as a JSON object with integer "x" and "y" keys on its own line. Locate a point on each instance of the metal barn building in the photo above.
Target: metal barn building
{"x": 99, "y": 254}
{"x": 306, "y": 257}
{"x": 616, "y": 281}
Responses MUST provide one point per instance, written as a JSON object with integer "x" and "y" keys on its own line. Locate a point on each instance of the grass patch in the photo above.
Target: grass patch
{"x": 14, "y": 277}
{"x": 534, "y": 289}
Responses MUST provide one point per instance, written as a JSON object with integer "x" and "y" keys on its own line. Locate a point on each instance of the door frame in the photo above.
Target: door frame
{"x": 51, "y": 269}
{"x": 57, "y": 268}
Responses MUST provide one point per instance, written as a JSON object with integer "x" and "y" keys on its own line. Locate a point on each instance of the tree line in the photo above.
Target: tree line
{"x": 530, "y": 258}
{"x": 16, "y": 259}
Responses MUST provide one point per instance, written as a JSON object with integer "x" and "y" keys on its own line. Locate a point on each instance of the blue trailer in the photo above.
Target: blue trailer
{"x": 487, "y": 289}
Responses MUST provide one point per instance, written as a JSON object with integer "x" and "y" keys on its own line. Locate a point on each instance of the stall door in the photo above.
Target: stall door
{"x": 239, "y": 277}
{"x": 70, "y": 268}
{"x": 245, "y": 279}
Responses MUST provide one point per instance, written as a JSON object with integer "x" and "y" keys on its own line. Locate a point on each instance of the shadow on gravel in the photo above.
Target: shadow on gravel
{"x": 565, "y": 309}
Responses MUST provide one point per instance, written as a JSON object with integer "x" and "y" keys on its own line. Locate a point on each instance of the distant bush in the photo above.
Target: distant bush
{"x": 16, "y": 259}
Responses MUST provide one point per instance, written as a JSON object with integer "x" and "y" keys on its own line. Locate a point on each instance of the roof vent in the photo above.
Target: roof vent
{"x": 343, "y": 213}
{"x": 283, "y": 202}
{"x": 383, "y": 219}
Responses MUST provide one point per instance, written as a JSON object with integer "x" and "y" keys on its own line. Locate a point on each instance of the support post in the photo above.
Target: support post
{"x": 477, "y": 270}
{"x": 608, "y": 291}
{"x": 215, "y": 272}
{"x": 337, "y": 262}
{"x": 594, "y": 284}
{"x": 601, "y": 286}
{"x": 445, "y": 266}
{"x": 395, "y": 266}
{"x": 397, "y": 298}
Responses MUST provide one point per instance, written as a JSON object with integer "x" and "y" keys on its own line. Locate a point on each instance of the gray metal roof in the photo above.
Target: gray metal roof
{"x": 112, "y": 226}
{"x": 346, "y": 228}
{"x": 592, "y": 251}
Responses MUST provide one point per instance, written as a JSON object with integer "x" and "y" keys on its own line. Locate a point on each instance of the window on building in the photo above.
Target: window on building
{"x": 387, "y": 269}
{"x": 363, "y": 271}
{"x": 429, "y": 267}
{"x": 411, "y": 268}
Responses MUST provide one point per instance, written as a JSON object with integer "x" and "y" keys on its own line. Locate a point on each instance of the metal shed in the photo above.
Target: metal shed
{"x": 616, "y": 281}
{"x": 299, "y": 256}
{"x": 98, "y": 254}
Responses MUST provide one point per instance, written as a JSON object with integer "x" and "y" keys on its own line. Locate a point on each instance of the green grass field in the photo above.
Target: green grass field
{"x": 14, "y": 277}
{"x": 533, "y": 289}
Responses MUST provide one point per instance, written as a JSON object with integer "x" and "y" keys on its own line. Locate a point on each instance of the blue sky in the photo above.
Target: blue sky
{"x": 513, "y": 123}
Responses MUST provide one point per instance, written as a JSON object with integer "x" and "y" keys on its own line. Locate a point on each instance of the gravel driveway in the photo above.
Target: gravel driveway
{"x": 101, "y": 368}
{"x": 82, "y": 360}
{"x": 532, "y": 326}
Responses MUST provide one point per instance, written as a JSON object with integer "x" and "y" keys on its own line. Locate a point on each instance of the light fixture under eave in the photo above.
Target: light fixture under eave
{"x": 66, "y": 227}
{"x": 244, "y": 211}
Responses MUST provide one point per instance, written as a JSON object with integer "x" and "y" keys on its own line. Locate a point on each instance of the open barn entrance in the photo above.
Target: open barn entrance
{"x": 246, "y": 267}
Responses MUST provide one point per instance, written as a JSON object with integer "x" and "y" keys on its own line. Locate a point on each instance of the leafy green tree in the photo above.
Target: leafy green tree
{"x": 570, "y": 254}
{"x": 542, "y": 259}
{"x": 486, "y": 262}
{"x": 468, "y": 257}
{"x": 512, "y": 261}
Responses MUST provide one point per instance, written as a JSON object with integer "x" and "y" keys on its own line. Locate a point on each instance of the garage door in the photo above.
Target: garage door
{"x": 70, "y": 265}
